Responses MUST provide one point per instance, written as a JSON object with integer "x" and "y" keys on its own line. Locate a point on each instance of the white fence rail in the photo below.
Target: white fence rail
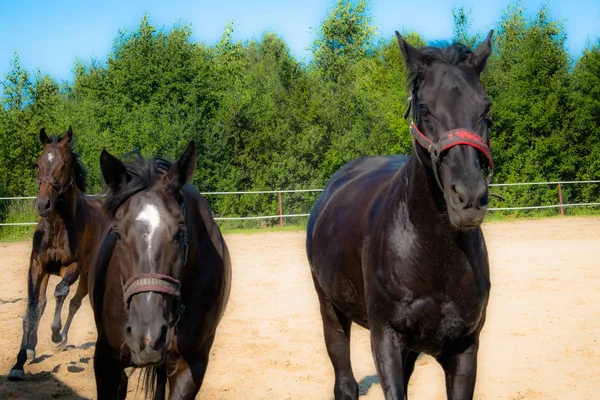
{"x": 281, "y": 215}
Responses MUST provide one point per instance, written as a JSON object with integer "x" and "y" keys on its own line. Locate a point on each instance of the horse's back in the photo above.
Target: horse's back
{"x": 352, "y": 188}
{"x": 336, "y": 228}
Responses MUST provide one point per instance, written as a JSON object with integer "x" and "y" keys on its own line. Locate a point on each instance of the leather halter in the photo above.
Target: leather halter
{"x": 161, "y": 283}
{"x": 50, "y": 180}
{"x": 448, "y": 140}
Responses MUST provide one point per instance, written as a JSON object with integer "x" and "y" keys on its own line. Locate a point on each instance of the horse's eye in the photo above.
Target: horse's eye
{"x": 486, "y": 113}
{"x": 423, "y": 110}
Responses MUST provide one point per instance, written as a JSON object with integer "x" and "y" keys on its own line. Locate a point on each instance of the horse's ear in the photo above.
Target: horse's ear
{"x": 414, "y": 59}
{"x": 113, "y": 171}
{"x": 182, "y": 172}
{"x": 43, "y": 137}
{"x": 68, "y": 137}
{"x": 478, "y": 58}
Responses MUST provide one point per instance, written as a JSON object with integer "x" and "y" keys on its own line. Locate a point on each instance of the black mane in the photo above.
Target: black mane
{"x": 443, "y": 52}
{"x": 80, "y": 171}
{"x": 447, "y": 53}
{"x": 141, "y": 174}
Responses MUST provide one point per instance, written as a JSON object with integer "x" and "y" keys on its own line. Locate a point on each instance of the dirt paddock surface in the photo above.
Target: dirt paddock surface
{"x": 540, "y": 340}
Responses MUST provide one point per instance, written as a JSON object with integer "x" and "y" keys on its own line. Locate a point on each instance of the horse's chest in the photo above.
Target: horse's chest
{"x": 437, "y": 303}
{"x": 458, "y": 318}
{"x": 427, "y": 320}
{"x": 57, "y": 247}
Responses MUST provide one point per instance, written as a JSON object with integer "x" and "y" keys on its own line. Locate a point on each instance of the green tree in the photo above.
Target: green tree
{"x": 585, "y": 122}
{"x": 346, "y": 36}
{"x": 527, "y": 79}
{"x": 463, "y": 20}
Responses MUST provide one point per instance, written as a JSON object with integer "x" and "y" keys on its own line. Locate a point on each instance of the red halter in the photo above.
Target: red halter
{"x": 450, "y": 139}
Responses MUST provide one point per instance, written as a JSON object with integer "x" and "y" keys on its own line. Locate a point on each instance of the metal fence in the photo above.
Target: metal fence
{"x": 281, "y": 214}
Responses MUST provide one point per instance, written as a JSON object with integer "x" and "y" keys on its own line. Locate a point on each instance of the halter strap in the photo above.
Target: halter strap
{"x": 152, "y": 282}
{"x": 58, "y": 186}
{"x": 450, "y": 139}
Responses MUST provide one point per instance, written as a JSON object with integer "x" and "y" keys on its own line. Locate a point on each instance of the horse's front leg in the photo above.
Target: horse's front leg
{"x": 161, "y": 383}
{"x": 390, "y": 354}
{"x": 74, "y": 304}
{"x": 460, "y": 369}
{"x": 186, "y": 379}
{"x": 111, "y": 380}
{"x": 185, "y": 383}
{"x": 37, "y": 281}
{"x": 69, "y": 276}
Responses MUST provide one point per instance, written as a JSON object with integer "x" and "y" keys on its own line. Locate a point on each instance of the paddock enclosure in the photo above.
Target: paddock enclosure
{"x": 540, "y": 340}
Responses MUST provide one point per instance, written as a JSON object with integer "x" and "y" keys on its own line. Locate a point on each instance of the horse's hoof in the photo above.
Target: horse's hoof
{"x": 16, "y": 375}
{"x": 60, "y": 346}
{"x": 30, "y": 354}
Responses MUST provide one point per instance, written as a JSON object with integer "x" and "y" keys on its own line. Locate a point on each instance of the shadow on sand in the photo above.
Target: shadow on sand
{"x": 39, "y": 386}
{"x": 365, "y": 384}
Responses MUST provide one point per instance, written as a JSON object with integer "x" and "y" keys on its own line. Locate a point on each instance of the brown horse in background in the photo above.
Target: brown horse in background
{"x": 161, "y": 279}
{"x": 63, "y": 242}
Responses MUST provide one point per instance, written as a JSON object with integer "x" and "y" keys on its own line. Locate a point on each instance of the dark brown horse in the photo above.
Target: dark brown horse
{"x": 161, "y": 280}
{"x": 63, "y": 242}
{"x": 395, "y": 244}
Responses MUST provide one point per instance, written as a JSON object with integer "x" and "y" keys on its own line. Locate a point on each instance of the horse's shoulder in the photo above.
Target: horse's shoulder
{"x": 354, "y": 190}
{"x": 38, "y": 235}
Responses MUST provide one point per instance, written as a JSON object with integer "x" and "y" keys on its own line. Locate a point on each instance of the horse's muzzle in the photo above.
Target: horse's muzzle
{"x": 148, "y": 357}
{"x": 44, "y": 206}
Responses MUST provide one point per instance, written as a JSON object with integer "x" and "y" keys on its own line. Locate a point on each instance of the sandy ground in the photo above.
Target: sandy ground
{"x": 540, "y": 340}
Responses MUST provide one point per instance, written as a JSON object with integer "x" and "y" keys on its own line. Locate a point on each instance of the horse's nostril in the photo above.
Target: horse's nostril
{"x": 456, "y": 192}
{"x": 48, "y": 205}
{"x": 162, "y": 340}
{"x": 128, "y": 329}
{"x": 484, "y": 200}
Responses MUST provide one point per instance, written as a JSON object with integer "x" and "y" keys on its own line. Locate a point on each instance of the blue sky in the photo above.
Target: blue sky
{"x": 50, "y": 35}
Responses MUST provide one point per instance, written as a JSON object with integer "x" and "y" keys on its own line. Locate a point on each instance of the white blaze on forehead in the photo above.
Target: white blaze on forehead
{"x": 50, "y": 157}
{"x": 151, "y": 217}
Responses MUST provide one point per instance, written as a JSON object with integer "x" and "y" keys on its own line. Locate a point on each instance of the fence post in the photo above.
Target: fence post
{"x": 280, "y": 209}
{"x": 560, "y": 200}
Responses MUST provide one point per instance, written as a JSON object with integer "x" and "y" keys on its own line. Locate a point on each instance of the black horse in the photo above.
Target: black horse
{"x": 161, "y": 278}
{"x": 394, "y": 243}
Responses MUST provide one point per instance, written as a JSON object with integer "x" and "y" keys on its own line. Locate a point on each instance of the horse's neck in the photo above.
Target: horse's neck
{"x": 66, "y": 207}
{"x": 421, "y": 201}
{"x": 69, "y": 213}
